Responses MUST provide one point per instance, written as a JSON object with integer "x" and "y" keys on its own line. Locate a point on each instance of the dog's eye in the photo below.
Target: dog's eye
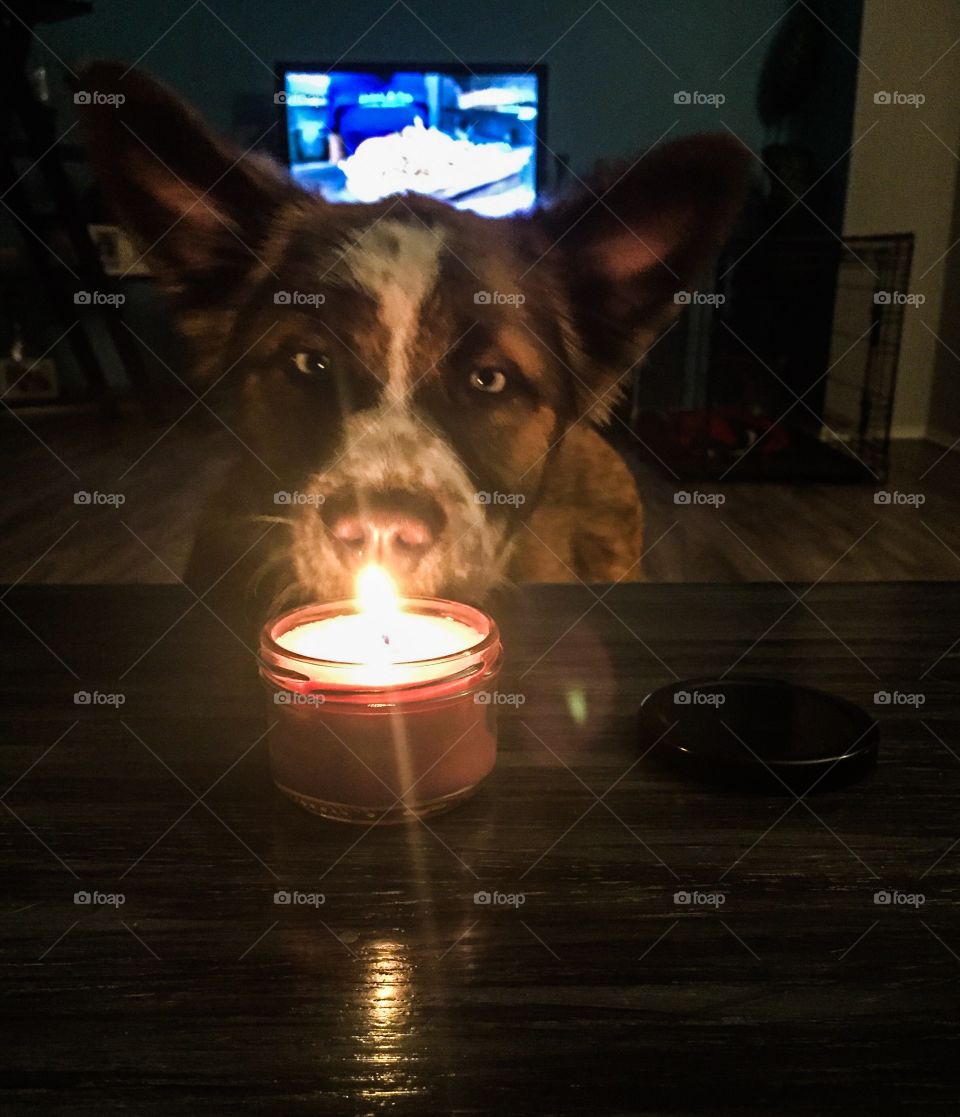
{"x": 312, "y": 362}
{"x": 490, "y": 379}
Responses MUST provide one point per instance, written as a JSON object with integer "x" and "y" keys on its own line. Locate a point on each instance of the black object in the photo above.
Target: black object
{"x": 758, "y": 733}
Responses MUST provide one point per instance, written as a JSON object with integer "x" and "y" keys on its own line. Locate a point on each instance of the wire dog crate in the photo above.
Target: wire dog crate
{"x": 789, "y": 364}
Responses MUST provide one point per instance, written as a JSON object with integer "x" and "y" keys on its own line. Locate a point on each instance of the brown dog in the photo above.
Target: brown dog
{"x": 413, "y": 384}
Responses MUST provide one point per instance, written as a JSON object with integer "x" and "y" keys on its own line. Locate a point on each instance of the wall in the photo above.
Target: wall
{"x": 944, "y": 426}
{"x": 903, "y": 178}
{"x": 610, "y": 96}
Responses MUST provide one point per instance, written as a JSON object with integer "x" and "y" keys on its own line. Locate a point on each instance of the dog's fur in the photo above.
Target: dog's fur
{"x": 369, "y": 403}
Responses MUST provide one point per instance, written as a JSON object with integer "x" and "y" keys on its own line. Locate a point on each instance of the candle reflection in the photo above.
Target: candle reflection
{"x": 388, "y": 984}
{"x": 387, "y": 1004}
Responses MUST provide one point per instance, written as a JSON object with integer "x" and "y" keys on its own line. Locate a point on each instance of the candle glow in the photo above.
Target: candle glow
{"x": 380, "y": 635}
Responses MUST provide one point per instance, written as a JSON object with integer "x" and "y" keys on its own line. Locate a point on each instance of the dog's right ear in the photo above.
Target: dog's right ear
{"x": 637, "y": 238}
{"x": 197, "y": 208}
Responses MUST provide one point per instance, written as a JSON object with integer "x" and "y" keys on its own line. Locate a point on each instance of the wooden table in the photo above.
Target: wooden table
{"x": 598, "y": 993}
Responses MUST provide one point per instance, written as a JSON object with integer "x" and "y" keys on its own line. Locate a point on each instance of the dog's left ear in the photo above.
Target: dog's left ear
{"x": 197, "y": 207}
{"x": 638, "y": 237}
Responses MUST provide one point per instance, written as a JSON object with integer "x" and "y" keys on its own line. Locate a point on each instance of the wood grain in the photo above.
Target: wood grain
{"x": 599, "y": 994}
{"x": 167, "y": 471}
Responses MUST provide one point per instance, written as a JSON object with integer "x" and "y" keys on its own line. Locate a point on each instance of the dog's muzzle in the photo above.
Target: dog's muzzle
{"x": 397, "y": 495}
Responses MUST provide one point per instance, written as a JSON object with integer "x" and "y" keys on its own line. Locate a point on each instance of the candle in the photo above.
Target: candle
{"x": 378, "y": 703}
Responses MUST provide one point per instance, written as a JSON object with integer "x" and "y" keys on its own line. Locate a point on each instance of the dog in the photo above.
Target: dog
{"x": 412, "y": 384}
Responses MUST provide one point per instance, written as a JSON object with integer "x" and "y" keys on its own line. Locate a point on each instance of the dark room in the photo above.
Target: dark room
{"x": 480, "y": 556}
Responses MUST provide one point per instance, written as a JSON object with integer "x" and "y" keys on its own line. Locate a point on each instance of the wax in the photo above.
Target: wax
{"x": 361, "y": 649}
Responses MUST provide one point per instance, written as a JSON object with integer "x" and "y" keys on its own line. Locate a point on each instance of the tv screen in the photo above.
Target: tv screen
{"x": 362, "y": 133}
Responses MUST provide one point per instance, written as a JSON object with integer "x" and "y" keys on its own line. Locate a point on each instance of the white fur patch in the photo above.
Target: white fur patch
{"x": 398, "y": 265}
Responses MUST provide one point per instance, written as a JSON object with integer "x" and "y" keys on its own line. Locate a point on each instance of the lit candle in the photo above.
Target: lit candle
{"x": 379, "y": 703}
{"x": 380, "y": 644}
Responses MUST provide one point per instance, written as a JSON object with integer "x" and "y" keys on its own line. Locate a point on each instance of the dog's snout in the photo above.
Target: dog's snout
{"x": 394, "y": 530}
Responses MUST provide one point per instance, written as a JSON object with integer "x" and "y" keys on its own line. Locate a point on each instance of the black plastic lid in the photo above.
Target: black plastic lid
{"x": 758, "y": 733}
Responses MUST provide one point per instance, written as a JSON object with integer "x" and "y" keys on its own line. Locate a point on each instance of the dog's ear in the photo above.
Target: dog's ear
{"x": 640, "y": 235}
{"x": 196, "y": 209}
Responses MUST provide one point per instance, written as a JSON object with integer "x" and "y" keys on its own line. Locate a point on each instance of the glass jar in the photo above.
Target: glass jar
{"x": 385, "y": 744}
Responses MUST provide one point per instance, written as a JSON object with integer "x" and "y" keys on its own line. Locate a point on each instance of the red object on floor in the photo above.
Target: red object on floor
{"x": 728, "y": 429}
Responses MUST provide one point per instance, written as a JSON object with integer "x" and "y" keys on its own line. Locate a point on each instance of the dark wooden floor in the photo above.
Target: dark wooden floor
{"x": 760, "y": 533}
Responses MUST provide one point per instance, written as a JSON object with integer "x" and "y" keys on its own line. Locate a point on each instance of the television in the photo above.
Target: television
{"x": 363, "y": 132}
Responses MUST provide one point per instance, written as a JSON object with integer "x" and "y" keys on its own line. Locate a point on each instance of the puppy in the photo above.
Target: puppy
{"x": 388, "y": 406}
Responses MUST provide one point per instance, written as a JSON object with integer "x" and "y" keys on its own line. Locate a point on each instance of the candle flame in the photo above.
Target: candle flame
{"x": 376, "y": 592}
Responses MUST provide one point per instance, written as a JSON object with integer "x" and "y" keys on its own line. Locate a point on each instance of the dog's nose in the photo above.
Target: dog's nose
{"x": 392, "y": 530}
{"x": 381, "y": 537}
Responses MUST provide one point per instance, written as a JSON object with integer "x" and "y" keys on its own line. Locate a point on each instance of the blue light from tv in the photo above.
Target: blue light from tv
{"x": 468, "y": 140}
